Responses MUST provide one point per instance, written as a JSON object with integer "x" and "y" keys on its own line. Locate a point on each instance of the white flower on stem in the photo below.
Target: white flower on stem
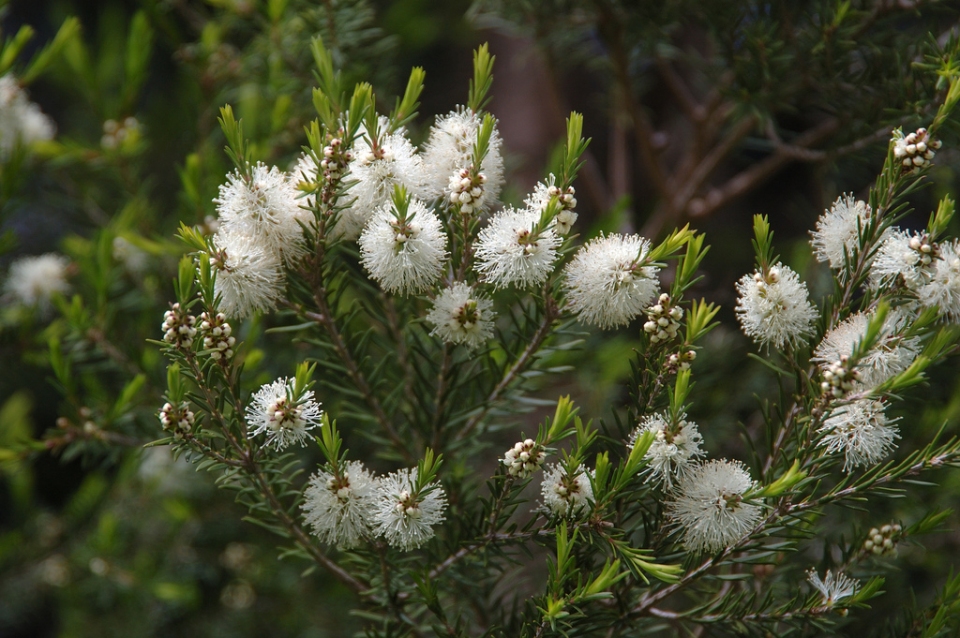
{"x": 250, "y": 276}
{"x": 838, "y": 230}
{"x": 861, "y": 431}
{"x": 449, "y": 150}
{"x": 607, "y": 284}
{"x": 942, "y": 290}
{"x": 33, "y": 281}
{"x": 565, "y": 495}
{"x": 674, "y": 449}
{"x": 905, "y": 255}
{"x": 460, "y": 316}
{"x": 282, "y": 417}
{"x": 709, "y": 506}
{"x": 268, "y": 206}
{"x": 21, "y": 121}
{"x": 340, "y": 510}
{"x": 833, "y": 587}
{"x": 404, "y": 251}
{"x": 509, "y": 251}
{"x": 374, "y": 172}
{"x": 891, "y": 355}
{"x": 544, "y": 193}
{"x": 774, "y": 308}
{"x": 404, "y": 517}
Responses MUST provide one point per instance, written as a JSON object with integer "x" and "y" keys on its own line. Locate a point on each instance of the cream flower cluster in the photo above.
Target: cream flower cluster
{"x": 33, "y": 281}
{"x": 461, "y": 316}
{"x": 567, "y": 495}
{"x": 350, "y": 506}
{"x": 260, "y": 230}
{"x": 608, "y": 282}
{"x": 280, "y": 416}
{"x": 709, "y": 507}
{"x": 774, "y": 307}
{"x": 21, "y": 121}
{"x": 675, "y": 447}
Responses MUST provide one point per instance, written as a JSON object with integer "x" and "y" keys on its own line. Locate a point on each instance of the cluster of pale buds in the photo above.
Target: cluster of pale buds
{"x": 566, "y": 218}
{"x": 524, "y": 458}
{"x": 915, "y": 149}
{"x": 883, "y": 541}
{"x": 178, "y": 327}
{"x": 407, "y": 506}
{"x": 116, "y": 133}
{"x": 680, "y": 360}
{"x": 772, "y": 277}
{"x": 925, "y": 248}
{"x": 335, "y": 160}
{"x": 840, "y": 377}
{"x": 466, "y": 190}
{"x": 406, "y": 230}
{"x": 178, "y": 419}
{"x": 216, "y": 335}
{"x": 663, "y": 320}
{"x": 340, "y": 487}
{"x": 372, "y": 155}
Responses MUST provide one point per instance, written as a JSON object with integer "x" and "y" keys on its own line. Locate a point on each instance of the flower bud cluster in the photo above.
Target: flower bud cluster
{"x": 566, "y": 218}
{"x": 840, "y": 377}
{"x": 178, "y": 327}
{"x": 407, "y": 506}
{"x": 216, "y": 335}
{"x": 772, "y": 277}
{"x": 680, "y": 360}
{"x": 915, "y": 149}
{"x": 524, "y": 458}
{"x": 406, "y": 230}
{"x": 884, "y": 540}
{"x": 178, "y": 419}
{"x": 334, "y": 165}
{"x": 925, "y": 248}
{"x": 116, "y": 133}
{"x": 663, "y": 320}
{"x": 466, "y": 190}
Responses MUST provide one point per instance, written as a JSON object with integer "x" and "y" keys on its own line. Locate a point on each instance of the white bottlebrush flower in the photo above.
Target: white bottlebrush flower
{"x": 404, "y": 518}
{"x": 905, "y": 255}
{"x": 449, "y": 150}
{"x": 861, "y": 431}
{"x": 606, "y": 283}
{"x": 21, "y": 121}
{"x": 543, "y": 194}
{"x": 839, "y": 228}
{"x": 775, "y": 309}
{"x": 249, "y": 275}
{"x": 404, "y": 253}
{"x": 709, "y": 507}
{"x": 460, "y": 315}
{"x": 673, "y": 450}
{"x": 891, "y": 355}
{"x": 942, "y": 290}
{"x": 33, "y": 281}
{"x": 373, "y": 174}
{"x": 275, "y": 412}
{"x": 833, "y": 587}
{"x": 564, "y": 495}
{"x": 268, "y": 206}
{"x": 508, "y": 252}
{"x": 340, "y": 510}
